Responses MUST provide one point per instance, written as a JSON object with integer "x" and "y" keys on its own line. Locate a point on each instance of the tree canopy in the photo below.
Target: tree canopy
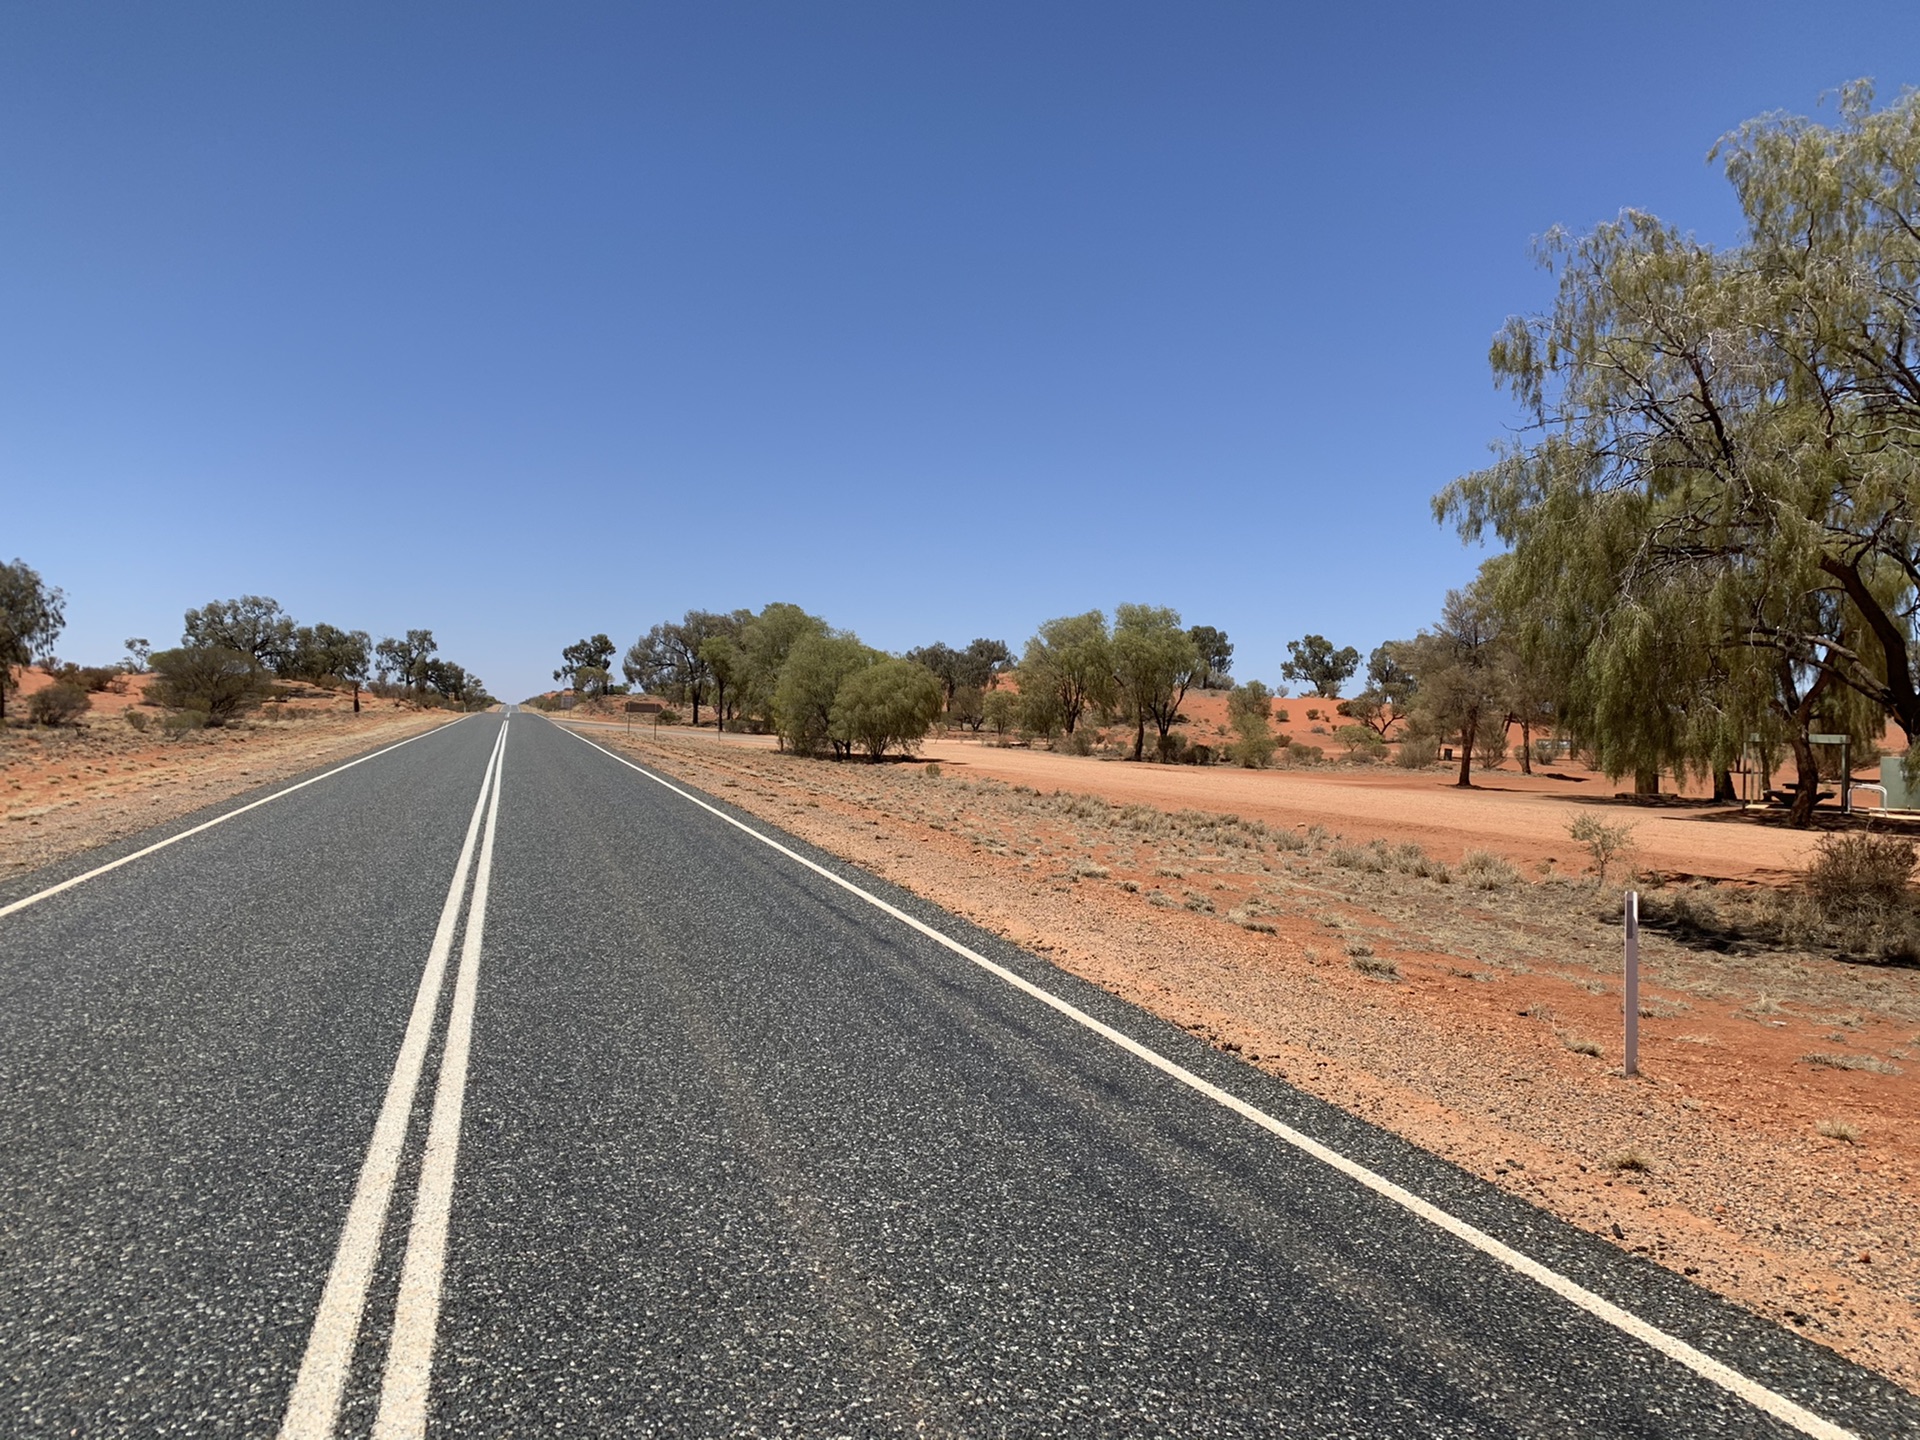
{"x": 1070, "y": 662}
{"x": 891, "y": 703}
{"x": 593, "y": 654}
{"x": 1712, "y": 513}
{"x": 254, "y": 625}
{"x": 32, "y": 615}
{"x": 1155, "y": 662}
{"x": 1313, "y": 661}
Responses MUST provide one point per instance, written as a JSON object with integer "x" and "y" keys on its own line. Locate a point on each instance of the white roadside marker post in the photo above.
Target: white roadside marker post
{"x": 1633, "y": 982}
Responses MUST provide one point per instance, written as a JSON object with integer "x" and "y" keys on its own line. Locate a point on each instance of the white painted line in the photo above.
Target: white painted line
{"x": 99, "y": 870}
{"x": 314, "y": 1403}
{"x": 409, "y": 1374}
{"x": 1674, "y": 1348}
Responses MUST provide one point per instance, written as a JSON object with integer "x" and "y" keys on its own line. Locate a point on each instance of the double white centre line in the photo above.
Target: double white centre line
{"x": 314, "y": 1405}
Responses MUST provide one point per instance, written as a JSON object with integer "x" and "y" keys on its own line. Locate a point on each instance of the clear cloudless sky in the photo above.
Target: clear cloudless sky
{"x": 525, "y": 321}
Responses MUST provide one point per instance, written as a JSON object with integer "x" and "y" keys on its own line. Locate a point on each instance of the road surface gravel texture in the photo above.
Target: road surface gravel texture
{"x": 741, "y": 1152}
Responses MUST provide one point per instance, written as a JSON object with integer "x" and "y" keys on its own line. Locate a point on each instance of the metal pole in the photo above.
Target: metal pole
{"x": 1633, "y": 982}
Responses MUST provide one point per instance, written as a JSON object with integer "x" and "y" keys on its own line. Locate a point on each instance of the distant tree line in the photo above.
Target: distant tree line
{"x": 229, "y": 653}
{"x": 822, "y": 690}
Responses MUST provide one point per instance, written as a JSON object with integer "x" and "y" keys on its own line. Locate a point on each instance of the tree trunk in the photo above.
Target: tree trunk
{"x": 1723, "y": 791}
{"x": 1646, "y": 780}
{"x": 1526, "y": 746}
{"x": 356, "y": 697}
{"x": 1807, "y": 766}
{"x": 1139, "y": 738}
{"x": 719, "y": 707}
{"x": 1469, "y": 732}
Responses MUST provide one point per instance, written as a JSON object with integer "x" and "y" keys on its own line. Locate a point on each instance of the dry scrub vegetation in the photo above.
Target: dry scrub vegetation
{"x": 113, "y": 772}
{"x": 1767, "y": 1151}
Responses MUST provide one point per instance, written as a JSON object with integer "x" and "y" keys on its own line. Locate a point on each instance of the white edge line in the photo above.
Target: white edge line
{"x": 99, "y": 870}
{"x": 1671, "y": 1346}
{"x": 407, "y": 1381}
{"x": 314, "y": 1402}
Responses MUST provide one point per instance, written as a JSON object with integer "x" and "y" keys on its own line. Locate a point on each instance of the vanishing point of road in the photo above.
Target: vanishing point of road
{"x": 493, "y": 1085}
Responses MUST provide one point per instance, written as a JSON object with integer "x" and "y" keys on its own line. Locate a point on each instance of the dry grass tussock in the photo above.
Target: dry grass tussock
{"x": 1855, "y": 899}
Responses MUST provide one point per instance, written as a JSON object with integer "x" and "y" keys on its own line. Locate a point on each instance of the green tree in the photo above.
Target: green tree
{"x": 1154, "y": 664}
{"x": 216, "y": 681}
{"x": 1250, "y": 712}
{"x": 322, "y": 652}
{"x": 1000, "y": 711}
{"x": 1072, "y": 659}
{"x": 137, "y": 652}
{"x": 1390, "y": 687}
{"x": 725, "y": 662}
{"x": 669, "y": 659}
{"x": 253, "y": 624}
{"x": 887, "y": 703}
{"x": 766, "y": 640}
{"x": 1216, "y": 656}
{"x": 1313, "y": 661}
{"x": 1713, "y": 516}
{"x": 594, "y": 653}
{"x": 944, "y": 662}
{"x": 406, "y": 660}
{"x": 968, "y": 708}
{"x": 810, "y": 680}
{"x": 32, "y": 615}
{"x": 456, "y": 684}
{"x": 983, "y": 662}
{"x": 1458, "y": 665}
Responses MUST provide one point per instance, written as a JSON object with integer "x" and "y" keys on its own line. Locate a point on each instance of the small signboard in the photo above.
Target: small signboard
{"x": 645, "y": 707}
{"x": 1828, "y": 739}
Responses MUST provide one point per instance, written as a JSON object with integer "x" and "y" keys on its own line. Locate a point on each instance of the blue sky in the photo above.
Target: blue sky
{"x": 522, "y": 322}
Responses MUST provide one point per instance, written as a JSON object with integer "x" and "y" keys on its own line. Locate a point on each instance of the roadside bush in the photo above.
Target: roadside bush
{"x": 139, "y": 720}
{"x": 1248, "y": 708}
{"x": 1491, "y": 749}
{"x": 1417, "y": 753}
{"x": 210, "y": 680}
{"x": 1605, "y": 843}
{"x": 1078, "y": 743}
{"x": 94, "y": 678}
{"x": 669, "y": 716}
{"x": 58, "y": 703}
{"x": 1857, "y": 879}
{"x": 1299, "y": 754}
{"x": 1483, "y": 870}
{"x": 1362, "y": 744}
{"x": 1283, "y": 715}
{"x": 1254, "y": 752}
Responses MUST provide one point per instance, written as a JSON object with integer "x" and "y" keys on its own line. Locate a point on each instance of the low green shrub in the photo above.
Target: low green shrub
{"x": 58, "y": 703}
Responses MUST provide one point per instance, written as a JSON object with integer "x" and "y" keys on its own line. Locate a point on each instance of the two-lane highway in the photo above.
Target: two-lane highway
{"x": 495, "y": 1087}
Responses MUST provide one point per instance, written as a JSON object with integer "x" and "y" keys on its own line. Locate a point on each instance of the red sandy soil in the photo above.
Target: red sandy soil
{"x": 1470, "y": 1048}
{"x": 1522, "y": 817}
{"x": 70, "y": 788}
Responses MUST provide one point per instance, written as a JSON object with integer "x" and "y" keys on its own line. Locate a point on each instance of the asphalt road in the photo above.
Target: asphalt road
{"x": 492, "y": 1087}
